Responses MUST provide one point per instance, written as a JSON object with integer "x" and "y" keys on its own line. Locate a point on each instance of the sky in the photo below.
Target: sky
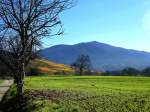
{"x": 122, "y": 23}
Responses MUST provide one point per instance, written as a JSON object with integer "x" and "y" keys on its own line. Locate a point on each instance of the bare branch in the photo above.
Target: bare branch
{"x": 23, "y": 23}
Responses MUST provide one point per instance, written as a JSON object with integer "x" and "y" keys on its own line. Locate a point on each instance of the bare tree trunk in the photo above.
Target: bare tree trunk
{"x": 19, "y": 81}
{"x": 20, "y": 88}
{"x": 81, "y": 71}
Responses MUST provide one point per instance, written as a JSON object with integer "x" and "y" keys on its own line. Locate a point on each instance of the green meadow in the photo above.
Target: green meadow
{"x": 89, "y": 93}
{"x": 1, "y": 81}
{"x": 90, "y": 84}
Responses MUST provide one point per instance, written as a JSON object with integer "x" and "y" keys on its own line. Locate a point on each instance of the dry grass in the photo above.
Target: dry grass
{"x": 49, "y": 67}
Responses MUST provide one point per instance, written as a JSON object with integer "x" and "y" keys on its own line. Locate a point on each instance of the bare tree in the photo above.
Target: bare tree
{"x": 81, "y": 63}
{"x": 23, "y": 25}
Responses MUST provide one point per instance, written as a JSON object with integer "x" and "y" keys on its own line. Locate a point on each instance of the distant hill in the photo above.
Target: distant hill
{"x": 49, "y": 67}
{"x": 103, "y": 56}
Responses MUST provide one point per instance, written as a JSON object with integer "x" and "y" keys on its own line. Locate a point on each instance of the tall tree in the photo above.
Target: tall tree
{"x": 23, "y": 25}
{"x": 82, "y": 63}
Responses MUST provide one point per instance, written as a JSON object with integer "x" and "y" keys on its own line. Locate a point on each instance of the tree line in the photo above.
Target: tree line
{"x": 128, "y": 72}
{"x": 83, "y": 66}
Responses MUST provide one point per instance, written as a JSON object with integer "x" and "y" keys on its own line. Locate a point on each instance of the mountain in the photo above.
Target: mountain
{"x": 103, "y": 56}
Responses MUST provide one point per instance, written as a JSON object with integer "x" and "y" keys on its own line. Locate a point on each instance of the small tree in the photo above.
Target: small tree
{"x": 81, "y": 63}
{"x": 23, "y": 25}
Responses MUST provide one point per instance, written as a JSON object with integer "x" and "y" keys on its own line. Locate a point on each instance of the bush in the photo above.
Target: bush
{"x": 125, "y": 72}
{"x": 33, "y": 71}
{"x": 146, "y": 71}
{"x": 60, "y": 73}
{"x": 4, "y": 71}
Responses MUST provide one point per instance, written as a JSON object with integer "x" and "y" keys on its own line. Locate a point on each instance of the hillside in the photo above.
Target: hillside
{"x": 49, "y": 67}
{"x": 103, "y": 56}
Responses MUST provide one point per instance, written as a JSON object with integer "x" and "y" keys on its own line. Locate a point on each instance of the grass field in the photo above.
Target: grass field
{"x": 90, "y": 93}
{"x": 1, "y": 81}
{"x": 96, "y": 84}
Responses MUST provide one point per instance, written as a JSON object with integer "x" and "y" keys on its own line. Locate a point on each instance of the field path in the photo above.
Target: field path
{"x": 4, "y": 86}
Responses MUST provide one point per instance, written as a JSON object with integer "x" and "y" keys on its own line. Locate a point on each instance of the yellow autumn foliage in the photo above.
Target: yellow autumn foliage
{"x": 50, "y": 67}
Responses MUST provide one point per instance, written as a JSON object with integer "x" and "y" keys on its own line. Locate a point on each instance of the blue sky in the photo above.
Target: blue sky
{"x": 122, "y": 23}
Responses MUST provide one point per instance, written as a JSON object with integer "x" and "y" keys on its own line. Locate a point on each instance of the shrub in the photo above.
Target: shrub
{"x": 146, "y": 71}
{"x": 33, "y": 71}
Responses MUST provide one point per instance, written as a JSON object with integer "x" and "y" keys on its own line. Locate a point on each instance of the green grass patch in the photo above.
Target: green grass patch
{"x": 1, "y": 81}
{"x": 11, "y": 93}
{"x": 12, "y": 103}
{"x": 84, "y": 94}
{"x": 96, "y": 84}
{"x": 93, "y": 93}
